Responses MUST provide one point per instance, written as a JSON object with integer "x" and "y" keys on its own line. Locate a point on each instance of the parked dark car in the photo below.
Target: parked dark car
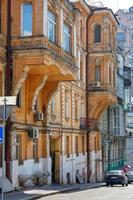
{"x": 130, "y": 176}
{"x": 116, "y": 177}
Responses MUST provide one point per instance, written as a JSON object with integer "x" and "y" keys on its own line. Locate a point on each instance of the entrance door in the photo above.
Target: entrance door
{"x": 55, "y": 159}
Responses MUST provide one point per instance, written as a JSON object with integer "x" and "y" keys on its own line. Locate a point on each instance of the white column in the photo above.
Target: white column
{"x": 45, "y": 17}
{"x": 74, "y": 40}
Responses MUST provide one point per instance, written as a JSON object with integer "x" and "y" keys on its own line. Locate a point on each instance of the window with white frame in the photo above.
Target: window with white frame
{"x": 67, "y": 38}
{"x": 51, "y": 27}
{"x": 26, "y": 20}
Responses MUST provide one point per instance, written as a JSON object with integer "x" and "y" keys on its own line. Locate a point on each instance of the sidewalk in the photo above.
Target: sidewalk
{"x": 48, "y": 190}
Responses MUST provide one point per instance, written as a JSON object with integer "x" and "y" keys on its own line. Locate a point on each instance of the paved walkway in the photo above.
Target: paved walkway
{"x": 47, "y": 190}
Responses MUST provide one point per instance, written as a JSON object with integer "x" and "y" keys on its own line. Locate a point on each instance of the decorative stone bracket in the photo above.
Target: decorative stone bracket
{"x": 36, "y": 93}
{"x": 21, "y": 81}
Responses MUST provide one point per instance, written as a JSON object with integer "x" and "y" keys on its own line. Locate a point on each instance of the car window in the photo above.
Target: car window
{"x": 130, "y": 173}
{"x": 114, "y": 173}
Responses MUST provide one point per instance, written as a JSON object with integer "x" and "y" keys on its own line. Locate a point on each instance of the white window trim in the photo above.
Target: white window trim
{"x": 69, "y": 35}
{"x": 45, "y": 17}
{"x": 21, "y": 19}
{"x": 54, "y": 24}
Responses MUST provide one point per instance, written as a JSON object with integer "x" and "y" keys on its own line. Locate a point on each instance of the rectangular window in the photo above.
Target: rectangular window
{"x": 81, "y": 68}
{"x": 95, "y": 144}
{"x": 98, "y": 73}
{"x": 76, "y": 109}
{"x": 67, "y": 38}
{"x": 132, "y": 36}
{"x": 66, "y": 104}
{"x": 67, "y": 147}
{"x": 19, "y": 99}
{"x": 53, "y": 106}
{"x": 114, "y": 78}
{"x": 19, "y": 148}
{"x": 110, "y": 75}
{"x": 51, "y": 27}
{"x": 76, "y": 146}
{"x": 121, "y": 36}
{"x": 35, "y": 150}
{"x": 83, "y": 145}
{"x": 26, "y": 19}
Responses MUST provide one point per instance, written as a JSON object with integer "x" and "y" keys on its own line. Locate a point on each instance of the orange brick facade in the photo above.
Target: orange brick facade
{"x": 50, "y": 84}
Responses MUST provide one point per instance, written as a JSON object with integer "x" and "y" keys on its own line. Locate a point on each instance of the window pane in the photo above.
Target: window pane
{"x": 121, "y": 36}
{"x": 97, "y": 32}
{"x": 98, "y": 73}
{"x": 67, "y": 38}
{"x": 51, "y": 26}
{"x": 27, "y": 19}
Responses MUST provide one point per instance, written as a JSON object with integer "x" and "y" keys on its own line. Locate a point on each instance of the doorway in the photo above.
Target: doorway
{"x": 55, "y": 160}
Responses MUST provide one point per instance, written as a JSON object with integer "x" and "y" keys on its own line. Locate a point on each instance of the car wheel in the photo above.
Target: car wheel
{"x": 107, "y": 184}
{"x": 111, "y": 185}
{"x": 129, "y": 182}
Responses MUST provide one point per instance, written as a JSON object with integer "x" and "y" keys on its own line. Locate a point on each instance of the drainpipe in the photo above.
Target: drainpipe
{"x": 8, "y": 86}
{"x": 109, "y": 142}
{"x": 87, "y": 94}
{"x": 61, "y": 138}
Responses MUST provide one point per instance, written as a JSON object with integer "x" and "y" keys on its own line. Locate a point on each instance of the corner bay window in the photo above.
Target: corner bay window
{"x": 51, "y": 27}
{"x": 98, "y": 73}
{"x": 97, "y": 33}
{"x": 67, "y": 38}
{"x": 26, "y": 19}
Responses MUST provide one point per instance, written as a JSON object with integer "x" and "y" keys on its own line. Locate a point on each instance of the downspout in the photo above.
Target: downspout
{"x": 61, "y": 132}
{"x": 87, "y": 104}
{"x": 8, "y": 87}
{"x": 109, "y": 142}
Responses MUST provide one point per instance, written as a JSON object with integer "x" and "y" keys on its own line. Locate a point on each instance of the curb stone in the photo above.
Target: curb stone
{"x": 65, "y": 190}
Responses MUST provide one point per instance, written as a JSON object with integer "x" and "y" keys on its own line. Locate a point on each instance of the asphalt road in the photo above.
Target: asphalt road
{"x": 102, "y": 193}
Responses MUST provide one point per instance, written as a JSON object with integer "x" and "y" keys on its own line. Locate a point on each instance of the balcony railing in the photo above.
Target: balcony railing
{"x": 23, "y": 43}
{"x": 90, "y": 124}
{"x": 102, "y": 87}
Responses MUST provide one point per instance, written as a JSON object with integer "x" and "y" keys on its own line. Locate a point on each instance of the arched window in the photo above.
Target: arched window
{"x": 97, "y": 33}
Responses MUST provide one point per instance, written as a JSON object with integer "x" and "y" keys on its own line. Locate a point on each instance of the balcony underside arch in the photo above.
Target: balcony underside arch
{"x": 99, "y": 104}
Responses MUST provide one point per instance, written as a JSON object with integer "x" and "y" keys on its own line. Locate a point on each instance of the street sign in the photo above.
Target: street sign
{"x": 8, "y": 100}
{"x": 1, "y": 134}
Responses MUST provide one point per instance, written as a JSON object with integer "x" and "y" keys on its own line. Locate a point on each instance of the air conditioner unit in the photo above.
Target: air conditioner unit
{"x": 96, "y": 84}
{"x": 33, "y": 133}
{"x": 39, "y": 116}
